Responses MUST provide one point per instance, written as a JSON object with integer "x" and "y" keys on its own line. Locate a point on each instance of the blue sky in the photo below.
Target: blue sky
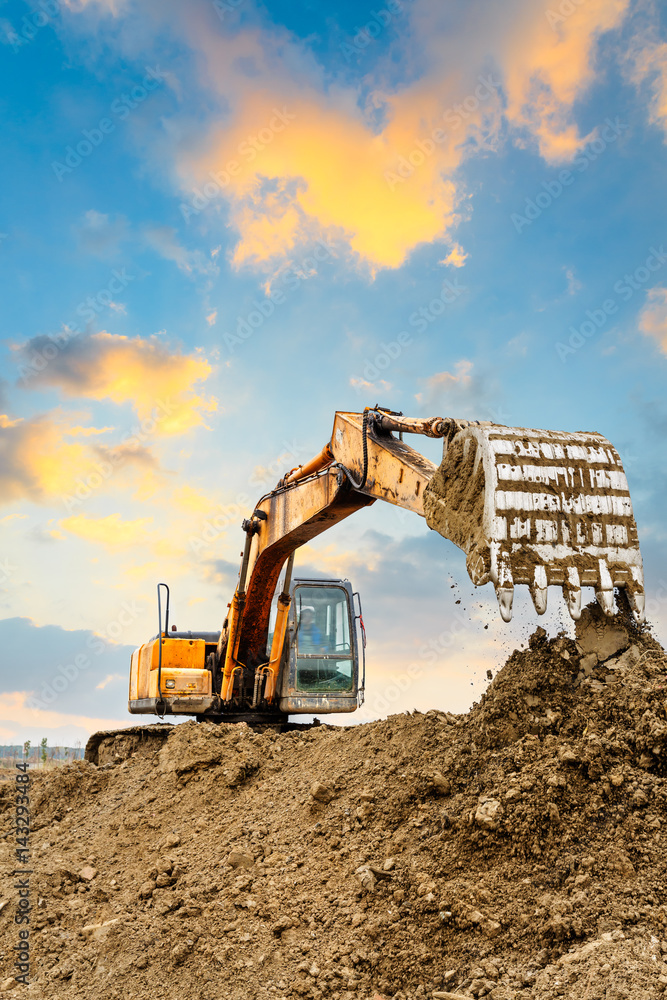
{"x": 487, "y": 178}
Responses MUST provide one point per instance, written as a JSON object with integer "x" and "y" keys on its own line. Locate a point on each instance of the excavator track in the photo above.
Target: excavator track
{"x": 113, "y": 746}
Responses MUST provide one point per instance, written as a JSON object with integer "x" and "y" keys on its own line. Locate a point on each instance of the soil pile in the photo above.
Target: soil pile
{"x": 516, "y": 852}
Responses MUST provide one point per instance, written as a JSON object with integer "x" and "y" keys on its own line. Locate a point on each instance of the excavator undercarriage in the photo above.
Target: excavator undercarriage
{"x": 540, "y": 508}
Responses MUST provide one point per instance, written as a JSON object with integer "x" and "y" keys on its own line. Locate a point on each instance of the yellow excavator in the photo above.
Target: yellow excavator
{"x": 530, "y": 507}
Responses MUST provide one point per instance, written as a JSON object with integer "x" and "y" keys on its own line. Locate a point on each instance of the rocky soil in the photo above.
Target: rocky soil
{"x": 515, "y": 852}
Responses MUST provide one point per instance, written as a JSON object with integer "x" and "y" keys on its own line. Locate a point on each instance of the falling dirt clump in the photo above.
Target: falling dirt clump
{"x": 516, "y": 852}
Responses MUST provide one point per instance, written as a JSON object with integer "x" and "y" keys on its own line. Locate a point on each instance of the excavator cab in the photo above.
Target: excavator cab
{"x": 320, "y": 657}
{"x": 320, "y": 669}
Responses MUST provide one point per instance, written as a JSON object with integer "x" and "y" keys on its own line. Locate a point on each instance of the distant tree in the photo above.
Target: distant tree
{"x": 26, "y": 748}
{"x": 43, "y": 750}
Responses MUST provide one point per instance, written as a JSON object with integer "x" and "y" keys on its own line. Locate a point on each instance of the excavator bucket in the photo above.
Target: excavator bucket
{"x": 538, "y": 508}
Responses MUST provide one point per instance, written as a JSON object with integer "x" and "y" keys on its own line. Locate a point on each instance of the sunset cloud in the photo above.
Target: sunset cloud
{"x": 112, "y": 531}
{"x": 326, "y": 171}
{"x": 163, "y": 386}
{"x": 442, "y": 383}
{"x": 37, "y": 461}
{"x": 294, "y": 162}
{"x": 549, "y": 62}
{"x": 648, "y": 66}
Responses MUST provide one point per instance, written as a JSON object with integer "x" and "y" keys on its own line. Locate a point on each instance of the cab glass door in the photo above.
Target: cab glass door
{"x": 324, "y": 654}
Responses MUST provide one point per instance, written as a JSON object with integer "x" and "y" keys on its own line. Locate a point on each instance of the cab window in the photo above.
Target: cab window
{"x": 324, "y": 659}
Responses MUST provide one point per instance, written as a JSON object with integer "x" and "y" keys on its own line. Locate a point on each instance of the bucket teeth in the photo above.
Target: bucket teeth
{"x": 538, "y": 590}
{"x": 505, "y": 586}
{"x": 636, "y": 595}
{"x": 605, "y": 592}
{"x": 637, "y": 600}
{"x": 572, "y": 593}
{"x": 505, "y": 597}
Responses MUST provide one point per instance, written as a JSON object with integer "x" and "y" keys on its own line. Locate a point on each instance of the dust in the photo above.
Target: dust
{"x": 516, "y": 852}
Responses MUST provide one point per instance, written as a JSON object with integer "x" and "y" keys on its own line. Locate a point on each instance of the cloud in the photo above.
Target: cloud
{"x": 37, "y": 462}
{"x": 549, "y": 63}
{"x": 518, "y": 345}
{"x": 111, "y": 531}
{"x": 163, "y": 240}
{"x": 442, "y": 383}
{"x": 456, "y": 257}
{"x": 326, "y": 170}
{"x": 48, "y": 457}
{"x": 163, "y": 386}
{"x": 101, "y": 236}
{"x": 108, "y": 680}
{"x": 573, "y": 283}
{"x": 653, "y": 317}
{"x": 211, "y": 318}
{"x": 191, "y": 500}
{"x": 647, "y": 66}
{"x": 296, "y": 159}
{"x": 363, "y": 385}
{"x": 80, "y": 659}
{"x": 465, "y": 392}
{"x": 44, "y": 535}
{"x": 113, "y": 7}
{"x": 375, "y": 166}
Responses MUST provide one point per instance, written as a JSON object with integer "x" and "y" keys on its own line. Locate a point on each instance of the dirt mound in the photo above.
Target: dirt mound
{"x": 515, "y": 852}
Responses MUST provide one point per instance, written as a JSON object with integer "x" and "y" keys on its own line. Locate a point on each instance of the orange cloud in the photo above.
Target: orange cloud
{"x": 297, "y": 160}
{"x": 443, "y": 382}
{"x": 296, "y": 163}
{"x": 648, "y": 61}
{"x": 549, "y": 62}
{"x": 162, "y": 386}
{"x": 304, "y": 169}
{"x": 653, "y": 317}
{"x": 456, "y": 257}
{"x": 112, "y": 531}
{"x": 37, "y": 461}
{"x": 191, "y": 500}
